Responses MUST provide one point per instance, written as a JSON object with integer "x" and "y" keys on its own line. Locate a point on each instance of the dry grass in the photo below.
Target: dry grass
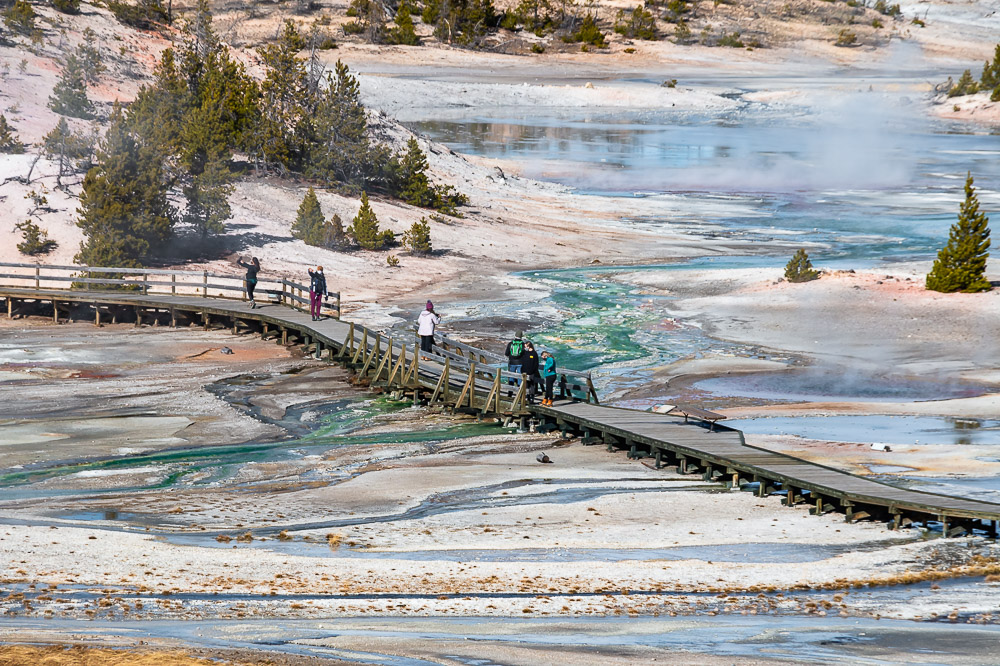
{"x": 21, "y": 655}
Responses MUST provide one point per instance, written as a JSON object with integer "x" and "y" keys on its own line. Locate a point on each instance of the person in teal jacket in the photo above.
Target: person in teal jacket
{"x": 548, "y": 376}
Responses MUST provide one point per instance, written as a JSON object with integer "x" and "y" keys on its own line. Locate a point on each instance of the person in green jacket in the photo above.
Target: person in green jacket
{"x": 548, "y": 376}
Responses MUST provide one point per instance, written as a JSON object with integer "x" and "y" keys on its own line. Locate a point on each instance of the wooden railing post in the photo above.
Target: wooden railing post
{"x": 441, "y": 390}
{"x": 362, "y": 348}
{"x": 204, "y": 281}
{"x": 338, "y": 305}
{"x": 38, "y": 272}
{"x": 173, "y": 284}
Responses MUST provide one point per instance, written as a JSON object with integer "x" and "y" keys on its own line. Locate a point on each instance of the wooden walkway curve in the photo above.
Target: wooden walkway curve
{"x": 463, "y": 378}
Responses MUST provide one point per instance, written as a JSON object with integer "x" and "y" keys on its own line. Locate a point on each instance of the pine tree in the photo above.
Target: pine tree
{"x": 403, "y": 33}
{"x": 369, "y": 20}
{"x": 966, "y": 85}
{"x": 20, "y": 18}
{"x": 159, "y": 109}
{"x": 340, "y": 150}
{"x": 418, "y": 237}
{"x": 284, "y": 104}
{"x": 989, "y": 79}
{"x": 463, "y": 22}
{"x": 961, "y": 264}
{"x": 799, "y": 268}
{"x": 69, "y": 97}
{"x": 364, "y": 228}
{"x": 89, "y": 55}
{"x": 309, "y": 221}
{"x": 35, "y": 240}
{"x": 334, "y": 235}
{"x": 124, "y": 211}
{"x": 67, "y": 6}
{"x": 9, "y": 143}
{"x": 415, "y": 188}
{"x": 66, "y": 145}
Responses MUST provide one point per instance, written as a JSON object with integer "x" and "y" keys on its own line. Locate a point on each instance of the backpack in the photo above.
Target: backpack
{"x": 516, "y": 348}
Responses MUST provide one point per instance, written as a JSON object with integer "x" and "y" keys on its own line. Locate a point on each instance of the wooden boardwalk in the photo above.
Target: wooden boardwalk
{"x": 463, "y": 378}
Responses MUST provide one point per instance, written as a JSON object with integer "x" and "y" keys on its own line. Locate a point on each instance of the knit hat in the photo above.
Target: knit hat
{"x": 430, "y": 306}
{"x": 519, "y": 335}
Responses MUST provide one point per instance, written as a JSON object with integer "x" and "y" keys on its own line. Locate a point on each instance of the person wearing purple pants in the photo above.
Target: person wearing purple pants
{"x": 317, "y": 292}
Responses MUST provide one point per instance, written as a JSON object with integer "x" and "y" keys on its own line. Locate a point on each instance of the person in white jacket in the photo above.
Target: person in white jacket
{"x": 426, "y": 323}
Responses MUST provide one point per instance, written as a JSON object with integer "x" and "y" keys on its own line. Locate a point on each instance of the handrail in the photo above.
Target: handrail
{"x": 197, "y": 282}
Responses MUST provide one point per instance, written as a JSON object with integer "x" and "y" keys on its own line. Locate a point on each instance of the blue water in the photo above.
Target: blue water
{"x": 866, "y": 181}
{"x": 893, "y": 430}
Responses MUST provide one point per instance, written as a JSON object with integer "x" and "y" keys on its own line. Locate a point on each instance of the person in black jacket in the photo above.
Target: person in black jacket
{"x": 251, "y": 279}
{"x": 529, "y": 368}
{"x": 317, "y": 292}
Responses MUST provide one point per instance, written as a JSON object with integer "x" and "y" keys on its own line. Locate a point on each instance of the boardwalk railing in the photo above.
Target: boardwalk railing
{"x": 206, "y": 284}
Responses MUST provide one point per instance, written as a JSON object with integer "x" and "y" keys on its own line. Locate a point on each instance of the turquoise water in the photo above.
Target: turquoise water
{"x": 337, "y": 426}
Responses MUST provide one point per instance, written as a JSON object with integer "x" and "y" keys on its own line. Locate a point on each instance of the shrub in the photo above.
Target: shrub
{"x": 588, "y": 33}
{"x": 537, "y": 48}
{"x": 403, "y": 33}
{"x": 417, "y": 238}
{"x": 145, "y": 14}
{"x": 35, "y": 239}
{"x": 682, "y": 33}
{"x": 846, "y": 38}
{"x": 966, "y": 85}
{"x": 917, "y": 22}
{"x": 20, "y": 18}
{"x": 392, "y": 261}
{"x": 876, "y": 23}
{"x": 9, "y": 143}
{"x": 637, "y": 24}
{"x": 67, "y": 6}
{"x": 799, "y": 268}
{"x": 961, "y": 264}
{"x": 732, "y": 41}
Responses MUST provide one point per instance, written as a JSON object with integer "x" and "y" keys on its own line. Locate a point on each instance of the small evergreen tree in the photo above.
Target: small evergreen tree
{"x": 20, "y": 18}
{"x": 144, "y": 14}
{"x": 588, "y": 33}
{"x": 799, "y": 268}
{"x": 66, "y": 146}
{"x": 9, "y": 143}
{"x": 308, "y": 225}
{"x": 69, "y": 97}
{"x": 966, "y": 85}
{"x": 414, "y": 187}
{"x": 369, "y": 20}
{"x": 334, "y": 235}
{"x": 403, "y": 33}
{"x": 991, "y": 71}
{"x": 364, "y": 228}
{"x": 35, "y": 240}
{"x": 67, "y": 6}
{"x": 90, "y": 57}
{"x": 961, "y": 264}
{"x": 417, "y": 238}
{"x": 464, "y": 22}
{"x": 637, "y": 24}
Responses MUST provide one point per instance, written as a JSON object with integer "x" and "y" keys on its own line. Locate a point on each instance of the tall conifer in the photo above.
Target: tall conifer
{"x": 961, "y": 264}
{"x": 124, "y": 211}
